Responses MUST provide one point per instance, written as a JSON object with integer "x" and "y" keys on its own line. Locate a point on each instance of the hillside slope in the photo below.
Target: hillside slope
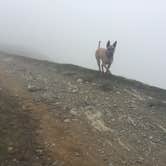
{"x": 64, "y": 115}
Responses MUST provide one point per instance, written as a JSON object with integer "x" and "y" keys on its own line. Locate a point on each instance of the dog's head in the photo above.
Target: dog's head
{"x": 111, "y": 48}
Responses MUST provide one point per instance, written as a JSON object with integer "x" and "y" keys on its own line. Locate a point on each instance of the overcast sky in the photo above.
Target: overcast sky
{"x": 68, "y": 31}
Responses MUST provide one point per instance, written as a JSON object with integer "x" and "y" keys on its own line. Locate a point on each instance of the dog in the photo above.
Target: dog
{"x": 104, "y": 56}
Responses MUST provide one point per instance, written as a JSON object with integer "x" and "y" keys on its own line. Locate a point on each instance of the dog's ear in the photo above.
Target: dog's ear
{"x": 115, "y": 43}
{"x": 108, "y": 44}
{"x": 99, "y": 43}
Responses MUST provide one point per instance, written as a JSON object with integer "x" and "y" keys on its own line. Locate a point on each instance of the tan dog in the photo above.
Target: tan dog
{"x": 104, "y": 56}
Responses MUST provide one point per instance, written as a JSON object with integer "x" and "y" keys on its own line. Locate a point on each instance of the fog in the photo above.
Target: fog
{"x": 68, "y": 32}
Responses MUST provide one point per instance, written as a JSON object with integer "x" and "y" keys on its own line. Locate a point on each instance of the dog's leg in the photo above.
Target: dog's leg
{"x": 102, "y": 67}
{"x": 107, "y": 69}
{"x": 98, "y": 63}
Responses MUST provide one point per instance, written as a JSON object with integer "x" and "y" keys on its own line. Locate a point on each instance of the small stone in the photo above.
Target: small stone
{"x": 150, "y": 98}
{"x": 77, "y": 154}
{"x": 89, "y": 107}
{"x": 73, "y": 111}
{"x": 114, "y": 105}
{"x": 33, "y": 88}
{"x": 39, "y": 151}
{"x": 54, "y": 163}
{"x": 67, "y": 120}
{"x": 15, "y": 160}
{"x": 132, "y": 106}
{"x": 74, "y": 119}
{"x": 57, "y": 163}
{"x": 131, "y": 120}
{"x": 93, "y": 83}
{"x": 53, "y": 144}
{"x": 10, "y": 148}
{"x": 74, "y": 90}
{"x": 37, "y": 157}
{"x": 118, "y": 92}
{"x": 110, "y": 164}
{"x": 101, "y": 151}
{"x": 107, "y": 98}
{"x": 24, "y": 107}
{"x": 57, "y": 103}
{"x": 79, "y": 80}
{"x": 139, "y": 160}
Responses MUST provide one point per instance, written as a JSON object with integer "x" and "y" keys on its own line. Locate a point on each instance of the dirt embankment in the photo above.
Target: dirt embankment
{"x": 64, "y": 115}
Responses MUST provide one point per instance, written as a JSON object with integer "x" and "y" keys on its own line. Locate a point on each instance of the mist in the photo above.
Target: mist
{"x": 68, "y": 32}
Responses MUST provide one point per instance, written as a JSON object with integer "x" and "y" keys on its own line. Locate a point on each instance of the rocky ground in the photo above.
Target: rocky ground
{"x": 63, "y": 115}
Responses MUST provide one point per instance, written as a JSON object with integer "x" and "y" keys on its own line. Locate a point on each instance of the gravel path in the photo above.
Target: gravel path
{"x": 67, "y": 115}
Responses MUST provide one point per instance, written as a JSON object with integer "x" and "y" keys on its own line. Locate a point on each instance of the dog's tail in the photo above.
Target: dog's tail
{"x": 99, "y": 44}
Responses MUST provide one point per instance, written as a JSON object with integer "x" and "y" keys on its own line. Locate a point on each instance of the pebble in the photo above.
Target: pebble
{"x": 53, "y": 144}
{"x": 112, "y": 120}
{"x": 57, "y": 163}
{"x": 114, "y": 105}
{"x": 93, "y": 83}
{"x": 75, "y": 90}
{"x": 67, "y": 120}
{"x": 15, "y": 160}
{"x": 118, "y": 92}
{"x": 110, "y": 164}
{"x": 72, "y": 88}
{"x": 107, "y": 98}
{"x": 33, "y": 88}
{"x": 57, "y": 103}
{"x": 77, "y": 154}
{"x": 10, "y": 148}
{"x": 79, "y": 80}
{"x": 39, "y": 151}
{"x": 73, "y": 111}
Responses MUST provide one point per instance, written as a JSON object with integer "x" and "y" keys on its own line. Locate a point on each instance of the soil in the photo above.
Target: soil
{"x": 64, "y": 115}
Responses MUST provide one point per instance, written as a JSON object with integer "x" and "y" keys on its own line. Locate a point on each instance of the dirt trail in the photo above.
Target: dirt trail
{"x": 46, "y": 142}
{"x": 60, "y": 115}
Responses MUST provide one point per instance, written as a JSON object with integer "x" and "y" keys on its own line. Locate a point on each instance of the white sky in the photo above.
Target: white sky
{"x": 68, "y": 31}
